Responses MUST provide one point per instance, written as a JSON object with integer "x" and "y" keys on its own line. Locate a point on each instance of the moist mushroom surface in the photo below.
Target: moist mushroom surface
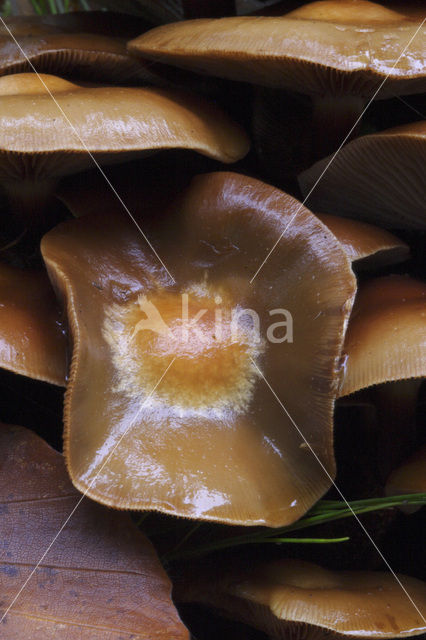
{"x": 82, "y": 44}
{"x": 366, "y": 245}
{"x": 167, "y": 408}
{"x": 323, "y": 47}
{"x": 32, "y": 338}
{"x": 386, "y": 337}
{"x": 42, "y": 138}
{"x": 294, "y": 599}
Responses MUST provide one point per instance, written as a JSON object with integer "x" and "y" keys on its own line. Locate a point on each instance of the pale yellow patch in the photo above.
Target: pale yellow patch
{"x": 212, "y": 358}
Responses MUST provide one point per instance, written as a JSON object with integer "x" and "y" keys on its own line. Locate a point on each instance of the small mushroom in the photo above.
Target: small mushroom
{"x": 167, "y": 408}
{"x": 410, "y": 477}
{"x": 385, "y": 339}
{"x": 366, "y": 245}
{"x": 43, "y": 139}
{"x": 81, "y": 44}
{"x": 32, "y": 339}
{"x": 295, "y": 599}
{"x": 378, "y": 178}
{"x": 337, "y": 52}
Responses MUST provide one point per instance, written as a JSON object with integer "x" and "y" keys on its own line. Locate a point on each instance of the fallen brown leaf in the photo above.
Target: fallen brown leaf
{"x": 100, "y": 580}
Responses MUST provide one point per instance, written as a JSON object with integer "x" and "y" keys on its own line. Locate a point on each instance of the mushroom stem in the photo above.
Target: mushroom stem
{"x": 333, "y": 117}
{"x": 396, "y": 409}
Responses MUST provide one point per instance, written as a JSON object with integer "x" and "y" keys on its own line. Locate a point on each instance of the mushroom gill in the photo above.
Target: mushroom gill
{"x": 378, "y": 178}
{"x": 386, "y": 334}
{"x": 336, "y": 51}
{"x": 167, "y": 408}
{"x": 85, "y": 45}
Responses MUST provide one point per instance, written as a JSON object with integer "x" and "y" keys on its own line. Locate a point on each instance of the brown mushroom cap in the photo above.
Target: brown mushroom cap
{"x": 366, "y": 245}
{"x": 211, "y": 441}
{"x": 378, "y": 177}
{"x": 38, "y": 143}
{"x": 109, "y": 120}
{"x": 385, "y": 339}
{"x": 293, "y": 599}
{"x": 410, "y": 477}
{"x": 338, "y": 47}
{"x": 82, "y": 44}
{"x": 32, "y": 340}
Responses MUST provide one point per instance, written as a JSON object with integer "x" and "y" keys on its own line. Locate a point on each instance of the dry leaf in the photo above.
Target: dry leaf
{"x": 100, "y": 580}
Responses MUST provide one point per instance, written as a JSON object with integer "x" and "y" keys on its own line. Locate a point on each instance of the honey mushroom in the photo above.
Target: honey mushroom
{"x": 296, "y": 599}
{"x": 367, "y": 246}
{"x": 86, "y": 45}
{"x": 165, "y": 415}
{"x": 410, "y": 477}
{"x": 378, "y": 178}
{"x": 336, "y": 52}
{"x": 385, "y": 349}
{"x": 385, "y": 337}
{"x": 43, "y": 139}
{"x": 32, "y": 338}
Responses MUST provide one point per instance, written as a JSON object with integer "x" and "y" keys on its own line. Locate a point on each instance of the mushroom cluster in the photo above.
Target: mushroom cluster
{"x": 230, "y": 354}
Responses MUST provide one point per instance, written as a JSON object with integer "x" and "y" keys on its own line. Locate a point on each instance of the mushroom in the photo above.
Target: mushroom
{"x": 82, "y": 44}
{"x": 410, "y": 477}
{"x": 32, "y": 339}
{"x": 42, "y": 139}
{"x": 366, "y": 245}
{"x": 377, "y": 177}
{"x": 385, "y": 340}
{"x": 337, "y": 52}
{"x": 168, "y": 406}
{"x": 385, "y": 347}
{"x": 297, "y": 599}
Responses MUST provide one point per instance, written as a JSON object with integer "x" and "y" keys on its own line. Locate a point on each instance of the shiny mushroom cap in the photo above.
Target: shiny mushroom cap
{"x": 49, "y": 127}
{"x": 378, "y": 178}
{"x": 366, "y": 245}
{"x": 173, "y": 370}
{"x": 32, "y": 339}
{"x": 385, "y": 340}
{"x": 81, "y": 44}
{"x": 324, "y": 47}
{"x": 293, "y": 599}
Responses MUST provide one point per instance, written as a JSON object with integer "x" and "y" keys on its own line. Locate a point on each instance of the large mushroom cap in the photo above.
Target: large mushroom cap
{"x": 42, "y": 138}
{"x": 198, "y": 432}
{"x": 83, "y": 44}
{"x": 386, "y": 337}
{"x": 378, "y": 177}
{"x": 366, "y": 245}
{"x": 32, "y": 340}
{"x": 324, "y": 47}
{"x": 293, "y": 599}
{"x": 107, "y": 120}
